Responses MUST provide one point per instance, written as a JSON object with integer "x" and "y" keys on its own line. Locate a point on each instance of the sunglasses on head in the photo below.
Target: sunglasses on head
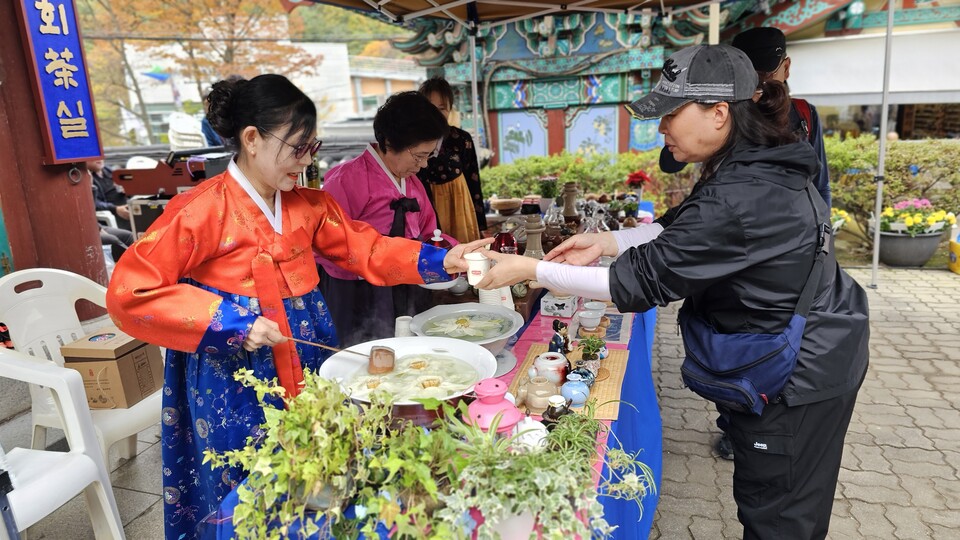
{"x": 300, "y": 150}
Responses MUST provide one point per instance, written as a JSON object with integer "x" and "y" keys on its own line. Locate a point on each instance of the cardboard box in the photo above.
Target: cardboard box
{"x": 954, "y": 263}
{"x": 118, "y": 371}
{"x": 552, "y": 306}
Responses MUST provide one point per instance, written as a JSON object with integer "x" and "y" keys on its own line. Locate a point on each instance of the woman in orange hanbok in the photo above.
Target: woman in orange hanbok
{"x": 227, "y": 274}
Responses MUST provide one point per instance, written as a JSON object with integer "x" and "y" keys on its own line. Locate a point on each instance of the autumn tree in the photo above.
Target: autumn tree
{"x": 111, "y": 70}
{"x": 330, "y": 23}
{"x": 219, "y": 38}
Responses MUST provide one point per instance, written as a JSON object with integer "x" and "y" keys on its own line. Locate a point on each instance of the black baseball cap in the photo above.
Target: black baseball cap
{"x": 704, "y": 74}
{"x": 765, "y": 46}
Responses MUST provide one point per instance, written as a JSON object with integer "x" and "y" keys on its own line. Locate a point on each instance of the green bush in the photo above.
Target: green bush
{"x": 928, "y": 169}
{"x": 597, "y": 173}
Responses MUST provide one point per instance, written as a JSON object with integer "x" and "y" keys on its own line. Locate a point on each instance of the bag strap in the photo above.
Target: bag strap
{"x": 806, "y": 116}
{"x": 824, "y": 231}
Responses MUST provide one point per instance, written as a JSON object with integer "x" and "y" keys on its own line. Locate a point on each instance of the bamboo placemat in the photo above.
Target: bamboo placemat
{"x": 606, "y": 391}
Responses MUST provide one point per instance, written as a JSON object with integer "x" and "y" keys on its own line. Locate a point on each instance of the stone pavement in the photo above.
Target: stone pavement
{"x": 900, "y": 470}
{"x": 900, "y": 475}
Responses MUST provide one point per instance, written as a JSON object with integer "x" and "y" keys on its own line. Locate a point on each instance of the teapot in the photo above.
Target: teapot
{"x": 534, "y": 392}
{"x": 575, "y": 390}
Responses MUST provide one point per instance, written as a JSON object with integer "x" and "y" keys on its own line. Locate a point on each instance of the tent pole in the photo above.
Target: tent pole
{"x": 473, "y": 84}
{"x": 884, "y": 117}
{"x": 714, "y": 23}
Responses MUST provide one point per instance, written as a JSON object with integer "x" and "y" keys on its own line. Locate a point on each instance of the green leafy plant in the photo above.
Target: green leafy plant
{"x": 591, "y": 345}
{"x": 597, "y": 173}
{"x": 548, "y": 187}
{"x": 420, "y": 483}
{"x": 555, "y": 484}
{"x": 630, "y": 206}
{"x": 309, "y": 450}
{"x": 928, "y": 169}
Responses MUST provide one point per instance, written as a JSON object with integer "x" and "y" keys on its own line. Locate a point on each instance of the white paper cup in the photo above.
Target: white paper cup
{"x": 477, "y": 266}
{"x": 402, "y": 326}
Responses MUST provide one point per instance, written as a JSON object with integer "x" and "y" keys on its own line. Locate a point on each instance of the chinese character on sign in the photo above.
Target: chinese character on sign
{"x": 60, "y": 66}
{"x": 70, "y": 127}
{"x": 45, "y": 7}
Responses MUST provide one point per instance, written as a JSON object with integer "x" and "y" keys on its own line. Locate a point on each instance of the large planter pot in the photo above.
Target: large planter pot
{"x": 516, "y": 526}
{"x": 905, "y": 250}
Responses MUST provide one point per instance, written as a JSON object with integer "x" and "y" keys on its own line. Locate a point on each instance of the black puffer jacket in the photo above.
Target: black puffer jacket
{"x": 739, "y": 250}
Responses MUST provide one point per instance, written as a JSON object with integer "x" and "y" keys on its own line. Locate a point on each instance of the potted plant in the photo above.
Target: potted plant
{"x": 637, "y": 180}
{"x": 548, "y": 192}
{"x": 555, "y": 485}
{"x": 838, "y": 219}
{"x": 630, "y": 208}
{"x": 306, "y": 465}
{"x": 911, "y": 231}
{"x": 418, "y": 483}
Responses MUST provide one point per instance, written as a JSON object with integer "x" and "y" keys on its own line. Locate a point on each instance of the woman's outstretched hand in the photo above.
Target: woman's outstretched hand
{"x": 583, "y": 249}
{"x": 454, "y": 262}
{"x": 508, "y": 270}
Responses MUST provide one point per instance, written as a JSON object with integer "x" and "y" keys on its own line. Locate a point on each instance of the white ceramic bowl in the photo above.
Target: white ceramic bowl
{"x": 590, "y": 319}
{"x": 342, "y": 366}
{"x": 494, "y": 344}
{"x": 439, "y": 286}
{"x": 595, "y": 306}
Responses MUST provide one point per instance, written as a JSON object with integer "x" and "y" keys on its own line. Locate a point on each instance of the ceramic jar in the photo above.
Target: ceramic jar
{"x": 553, "y": 366}
{"x": 557, "y": 407}
{"x": 575, "y": 390}
{"x": 587, "y": 376}
{"x": 491, "y": 401}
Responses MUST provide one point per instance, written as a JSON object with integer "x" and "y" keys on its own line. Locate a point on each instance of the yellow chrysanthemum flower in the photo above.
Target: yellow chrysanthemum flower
{"x": 908, "y": 221}
{"x": 918, "y": 217}
{"x": 951, "y": 219}
{"x": 888, "y": 211}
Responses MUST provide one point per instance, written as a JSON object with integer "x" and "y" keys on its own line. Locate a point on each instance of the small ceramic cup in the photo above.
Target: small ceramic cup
{"x": 401, "y": 327}
{"x": 477, "y": 266}
{"x": 589, "y": 320}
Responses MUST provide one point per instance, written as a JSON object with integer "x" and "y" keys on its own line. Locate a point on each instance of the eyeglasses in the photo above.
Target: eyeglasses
{"x": 300, "y": 150}
{"x": 420, "y": 158}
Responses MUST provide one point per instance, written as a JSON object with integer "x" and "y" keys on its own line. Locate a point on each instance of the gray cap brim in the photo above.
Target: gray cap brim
{"x": 654, "y": 105}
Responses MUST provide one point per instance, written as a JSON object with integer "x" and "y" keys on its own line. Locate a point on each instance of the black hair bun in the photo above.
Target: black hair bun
{"x": 221, "y": 103}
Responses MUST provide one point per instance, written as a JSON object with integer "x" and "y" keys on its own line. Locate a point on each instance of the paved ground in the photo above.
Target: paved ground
{"x": 901, "y": 467}
{"x": 900, "y": 476}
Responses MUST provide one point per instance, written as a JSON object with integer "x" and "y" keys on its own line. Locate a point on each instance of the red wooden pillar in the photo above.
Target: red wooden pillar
{"x": 493, "y": 136}
{"x": 556, "y": 131}
{"x": 50, "y": 220}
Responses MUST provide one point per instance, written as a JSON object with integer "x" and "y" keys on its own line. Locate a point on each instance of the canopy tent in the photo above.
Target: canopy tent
{"x": 493, "y": 12}
{"x": 476, "y": 14}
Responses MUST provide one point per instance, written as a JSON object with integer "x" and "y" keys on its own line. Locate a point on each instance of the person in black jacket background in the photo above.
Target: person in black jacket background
{"x": 738, "y": 251}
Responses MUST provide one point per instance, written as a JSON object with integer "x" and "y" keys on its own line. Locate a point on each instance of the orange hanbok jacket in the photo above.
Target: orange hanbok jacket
{"x": 216, "y": 235}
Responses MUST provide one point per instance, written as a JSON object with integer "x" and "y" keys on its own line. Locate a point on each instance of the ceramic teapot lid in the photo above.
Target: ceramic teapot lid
{"x": 490, "y": 402}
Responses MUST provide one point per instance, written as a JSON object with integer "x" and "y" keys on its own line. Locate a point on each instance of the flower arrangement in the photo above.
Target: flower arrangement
{"x": 838, "y": 218}
{"x": 913, "y": 217}
{"x": 420, "y": 483}
{"x": 637, "y": 179}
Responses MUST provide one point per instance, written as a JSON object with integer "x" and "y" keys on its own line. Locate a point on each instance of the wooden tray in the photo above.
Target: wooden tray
{"x": 606, "y": 391}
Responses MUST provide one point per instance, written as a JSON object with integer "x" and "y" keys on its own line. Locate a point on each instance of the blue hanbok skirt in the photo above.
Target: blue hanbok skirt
{"x": 204, "y": 408}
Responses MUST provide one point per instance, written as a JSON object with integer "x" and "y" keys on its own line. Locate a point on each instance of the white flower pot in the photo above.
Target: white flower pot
{"x": 516, "y": 526}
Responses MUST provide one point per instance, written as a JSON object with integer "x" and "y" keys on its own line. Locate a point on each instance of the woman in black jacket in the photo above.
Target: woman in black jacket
{"x": 739, "y": 251}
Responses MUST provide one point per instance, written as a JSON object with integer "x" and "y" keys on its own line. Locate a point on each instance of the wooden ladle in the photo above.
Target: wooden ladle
{"x": 380, "y": 360}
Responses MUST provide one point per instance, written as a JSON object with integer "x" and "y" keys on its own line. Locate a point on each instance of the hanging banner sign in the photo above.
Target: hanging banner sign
{"x": 54, "y": 50}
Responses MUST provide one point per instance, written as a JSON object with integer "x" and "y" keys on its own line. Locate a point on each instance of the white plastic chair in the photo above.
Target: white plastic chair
{"x": 106, "y": 218}
{"x": 42, "y": 319}
{"x": 185, "y": 132}
{"x": 44, "y": 480}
